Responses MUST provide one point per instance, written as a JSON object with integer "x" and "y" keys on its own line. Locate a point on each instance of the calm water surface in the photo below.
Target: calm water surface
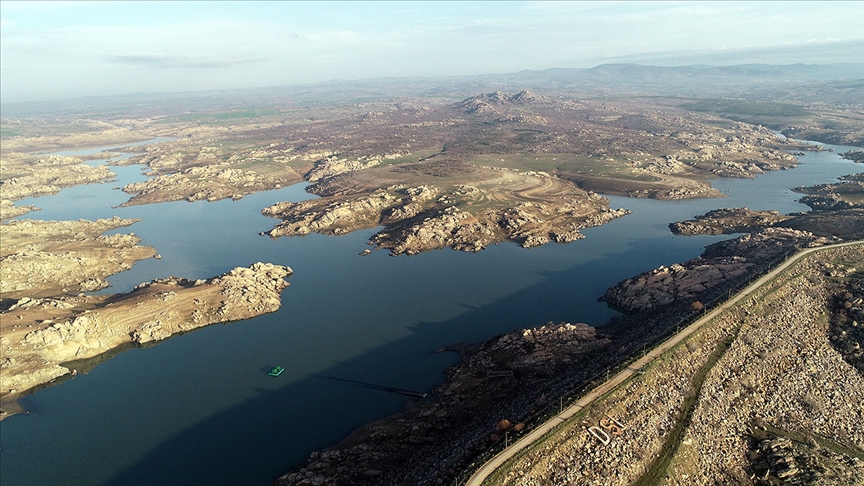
{"x": 200, "y": 409}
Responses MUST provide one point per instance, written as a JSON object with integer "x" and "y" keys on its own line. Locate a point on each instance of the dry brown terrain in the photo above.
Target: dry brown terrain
{"x": 761, "y": 395}
{"x": 635, "y": 147}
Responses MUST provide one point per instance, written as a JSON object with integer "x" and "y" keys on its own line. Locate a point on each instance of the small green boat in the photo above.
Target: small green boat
{"x": 276, "y": 371}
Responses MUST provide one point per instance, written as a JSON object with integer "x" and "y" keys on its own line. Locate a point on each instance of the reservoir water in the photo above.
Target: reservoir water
{"x": 200, "y": 409}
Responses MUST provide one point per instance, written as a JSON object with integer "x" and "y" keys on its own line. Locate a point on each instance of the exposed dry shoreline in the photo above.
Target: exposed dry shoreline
{"x": 52, "y": 258}
{"x": 39, "y": 335}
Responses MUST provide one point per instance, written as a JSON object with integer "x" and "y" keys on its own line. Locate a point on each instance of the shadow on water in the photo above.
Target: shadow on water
{"x": 384, "y": 388}
{"x": 255, "y": 441}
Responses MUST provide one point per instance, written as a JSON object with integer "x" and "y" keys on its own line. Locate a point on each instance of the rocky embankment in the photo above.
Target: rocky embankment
{"x": 500, "y": 385}
{"x": 727, "y": 221}
{"x": 764, "y": 367}
{"x": 39, "y": 335}
{"x": 723, "y": 263}
{"x": 422, "y": 443}
{"x": 50, "y": 258}
{"x": 426, "y": 217}
{"x": 782, "y": 372}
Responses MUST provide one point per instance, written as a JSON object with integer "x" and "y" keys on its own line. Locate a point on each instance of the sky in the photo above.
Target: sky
{"x": 55, "y": 50}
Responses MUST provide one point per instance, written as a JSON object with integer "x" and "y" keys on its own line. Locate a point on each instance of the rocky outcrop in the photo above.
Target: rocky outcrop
{"x": 728, "y": 221}
{"x": 528, "y": 224}
{"x": 679, "y": 282}
{"x": 34, "y": 349}
{"x": 846, "y": 194}
{"x": 486, "y": 103}
{"x": 766, "y": 245}
{"x": 829, "y": 202}
{"x": 9, "y": 210}
{"x": 209, "y": 183}
{"x": 853, "y": 155}
{"x": 47, "y": 175}
{"x": 721, "y": 264}
{"x": 339, "y": 216}
{"x": 426, "y": 217}
{"x": 335, "y": 165}
{"x": 48, "y": 258}
{"x": 780, "y": 460}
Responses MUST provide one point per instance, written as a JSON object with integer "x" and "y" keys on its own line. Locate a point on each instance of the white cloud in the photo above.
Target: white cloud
{"x": 165, "y": 60}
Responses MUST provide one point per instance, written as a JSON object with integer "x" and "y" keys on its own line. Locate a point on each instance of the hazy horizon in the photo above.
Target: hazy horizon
{"x": 62, "y": 50}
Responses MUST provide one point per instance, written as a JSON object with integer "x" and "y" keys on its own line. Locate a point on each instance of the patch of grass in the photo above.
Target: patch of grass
{"x": 223, "y": 116}
{"x": 564, "y": 165}
{"x": 6, "y": 132}
{"x": 657, "y": 470}
{"x": 410, "y": 158}
{"x": 745, "y": 107}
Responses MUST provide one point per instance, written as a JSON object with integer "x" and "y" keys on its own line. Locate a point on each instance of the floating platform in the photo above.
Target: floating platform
{"x": 276, "y": 371}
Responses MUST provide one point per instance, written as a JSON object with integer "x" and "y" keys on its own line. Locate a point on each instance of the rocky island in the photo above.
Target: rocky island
{"x": 464, "y": 217}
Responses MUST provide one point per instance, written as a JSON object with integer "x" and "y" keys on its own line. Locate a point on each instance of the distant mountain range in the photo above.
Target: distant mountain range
{"x": 801, "y": 82}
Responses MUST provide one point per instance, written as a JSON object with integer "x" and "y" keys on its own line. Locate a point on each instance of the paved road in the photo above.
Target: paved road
{"x": 481, "y": 474}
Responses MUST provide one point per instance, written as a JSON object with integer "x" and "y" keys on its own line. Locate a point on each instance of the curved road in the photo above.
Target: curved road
{"x": 481, "y": 474}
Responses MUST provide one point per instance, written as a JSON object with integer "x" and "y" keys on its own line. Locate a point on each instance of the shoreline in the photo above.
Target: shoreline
{"x": 501, "y": 385}
{"x": 90, "y": 326}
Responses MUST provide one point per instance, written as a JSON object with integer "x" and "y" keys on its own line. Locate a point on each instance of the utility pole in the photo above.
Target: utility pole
{"x": 506, "y": 438}
{"x": 643, "y": 349}
{"x": 607, "y": 373}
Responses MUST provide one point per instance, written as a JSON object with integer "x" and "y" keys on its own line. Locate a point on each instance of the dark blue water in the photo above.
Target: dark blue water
{"x": 200, "y": 409}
